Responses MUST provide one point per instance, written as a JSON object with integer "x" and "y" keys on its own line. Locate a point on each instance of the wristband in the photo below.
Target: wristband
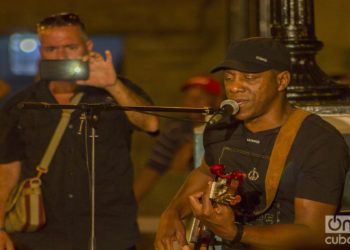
{"x": 239, "y": 234}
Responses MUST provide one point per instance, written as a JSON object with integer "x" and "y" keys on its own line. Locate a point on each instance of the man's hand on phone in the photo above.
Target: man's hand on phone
{"x": 102, "y": 71}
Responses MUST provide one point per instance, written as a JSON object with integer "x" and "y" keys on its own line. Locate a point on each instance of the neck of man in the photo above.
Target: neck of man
{"x": 62, "y": 91}
{"x": 275, "y": 118}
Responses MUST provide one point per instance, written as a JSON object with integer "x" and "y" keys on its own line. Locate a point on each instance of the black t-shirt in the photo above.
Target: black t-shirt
{"x": 315, "y": 168}
{"x": 24, "y": 136}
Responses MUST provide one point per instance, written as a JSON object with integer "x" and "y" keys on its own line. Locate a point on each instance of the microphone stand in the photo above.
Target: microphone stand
{"x": 91, "y": 112}
{"x": 91, "y": 116}
{"x": 112, "y": 106}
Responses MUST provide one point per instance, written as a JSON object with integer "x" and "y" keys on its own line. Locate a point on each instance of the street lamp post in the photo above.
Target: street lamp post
{"x": 292, "y": 22}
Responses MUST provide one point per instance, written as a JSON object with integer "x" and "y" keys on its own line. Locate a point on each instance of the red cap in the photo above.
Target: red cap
{"x": 209, "y": 84}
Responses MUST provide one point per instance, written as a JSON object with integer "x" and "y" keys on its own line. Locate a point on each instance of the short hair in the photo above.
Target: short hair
{"x": 61, "y": 20}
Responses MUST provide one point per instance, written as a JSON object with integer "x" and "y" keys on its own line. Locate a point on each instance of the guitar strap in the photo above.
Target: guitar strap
{"x": 280, "y": 151}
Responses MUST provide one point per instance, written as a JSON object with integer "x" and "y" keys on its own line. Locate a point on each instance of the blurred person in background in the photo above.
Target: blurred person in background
{"x": 173, "y": 150}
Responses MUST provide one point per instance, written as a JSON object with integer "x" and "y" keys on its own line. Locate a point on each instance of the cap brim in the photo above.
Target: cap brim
{"x": 240, "y": 66}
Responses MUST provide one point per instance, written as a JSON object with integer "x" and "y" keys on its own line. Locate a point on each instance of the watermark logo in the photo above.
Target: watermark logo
{"x": 337, "y": 228}
{"x": 337, "y": 224}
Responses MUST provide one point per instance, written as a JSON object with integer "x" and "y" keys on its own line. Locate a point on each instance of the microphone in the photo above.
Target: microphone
{"x": 227, "y": 107}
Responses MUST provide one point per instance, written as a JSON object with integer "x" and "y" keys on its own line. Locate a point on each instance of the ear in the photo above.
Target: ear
{"x": 283, "y": 79}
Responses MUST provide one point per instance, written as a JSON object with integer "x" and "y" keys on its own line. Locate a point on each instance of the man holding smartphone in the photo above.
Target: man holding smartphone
{"x": 24, "y": 136}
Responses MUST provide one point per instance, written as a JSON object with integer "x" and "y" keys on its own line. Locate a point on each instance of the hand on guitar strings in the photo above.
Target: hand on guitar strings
{"x": 216, "y": 217}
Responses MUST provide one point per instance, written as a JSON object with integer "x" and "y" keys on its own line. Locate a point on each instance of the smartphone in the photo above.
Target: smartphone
{"x": 69, "y": 70}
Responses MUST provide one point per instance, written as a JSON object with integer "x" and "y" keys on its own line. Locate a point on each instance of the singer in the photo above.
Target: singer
{"x": 311, "y": 174}
{"x": 24, "y": 137}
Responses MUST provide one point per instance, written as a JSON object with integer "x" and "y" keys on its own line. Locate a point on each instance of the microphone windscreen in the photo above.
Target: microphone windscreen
{"x": 230, "y": 105}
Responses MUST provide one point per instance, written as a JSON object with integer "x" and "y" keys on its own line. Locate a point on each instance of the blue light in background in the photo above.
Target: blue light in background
{"x": 28, "y": 45}
{"x": 24, "y": 54}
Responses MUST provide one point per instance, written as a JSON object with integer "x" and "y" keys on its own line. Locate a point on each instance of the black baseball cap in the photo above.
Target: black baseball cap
{"x": 256, "y": 54}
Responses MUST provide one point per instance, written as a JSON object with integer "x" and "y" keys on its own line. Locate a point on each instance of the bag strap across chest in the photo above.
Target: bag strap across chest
{"x": 43, "y": 166}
